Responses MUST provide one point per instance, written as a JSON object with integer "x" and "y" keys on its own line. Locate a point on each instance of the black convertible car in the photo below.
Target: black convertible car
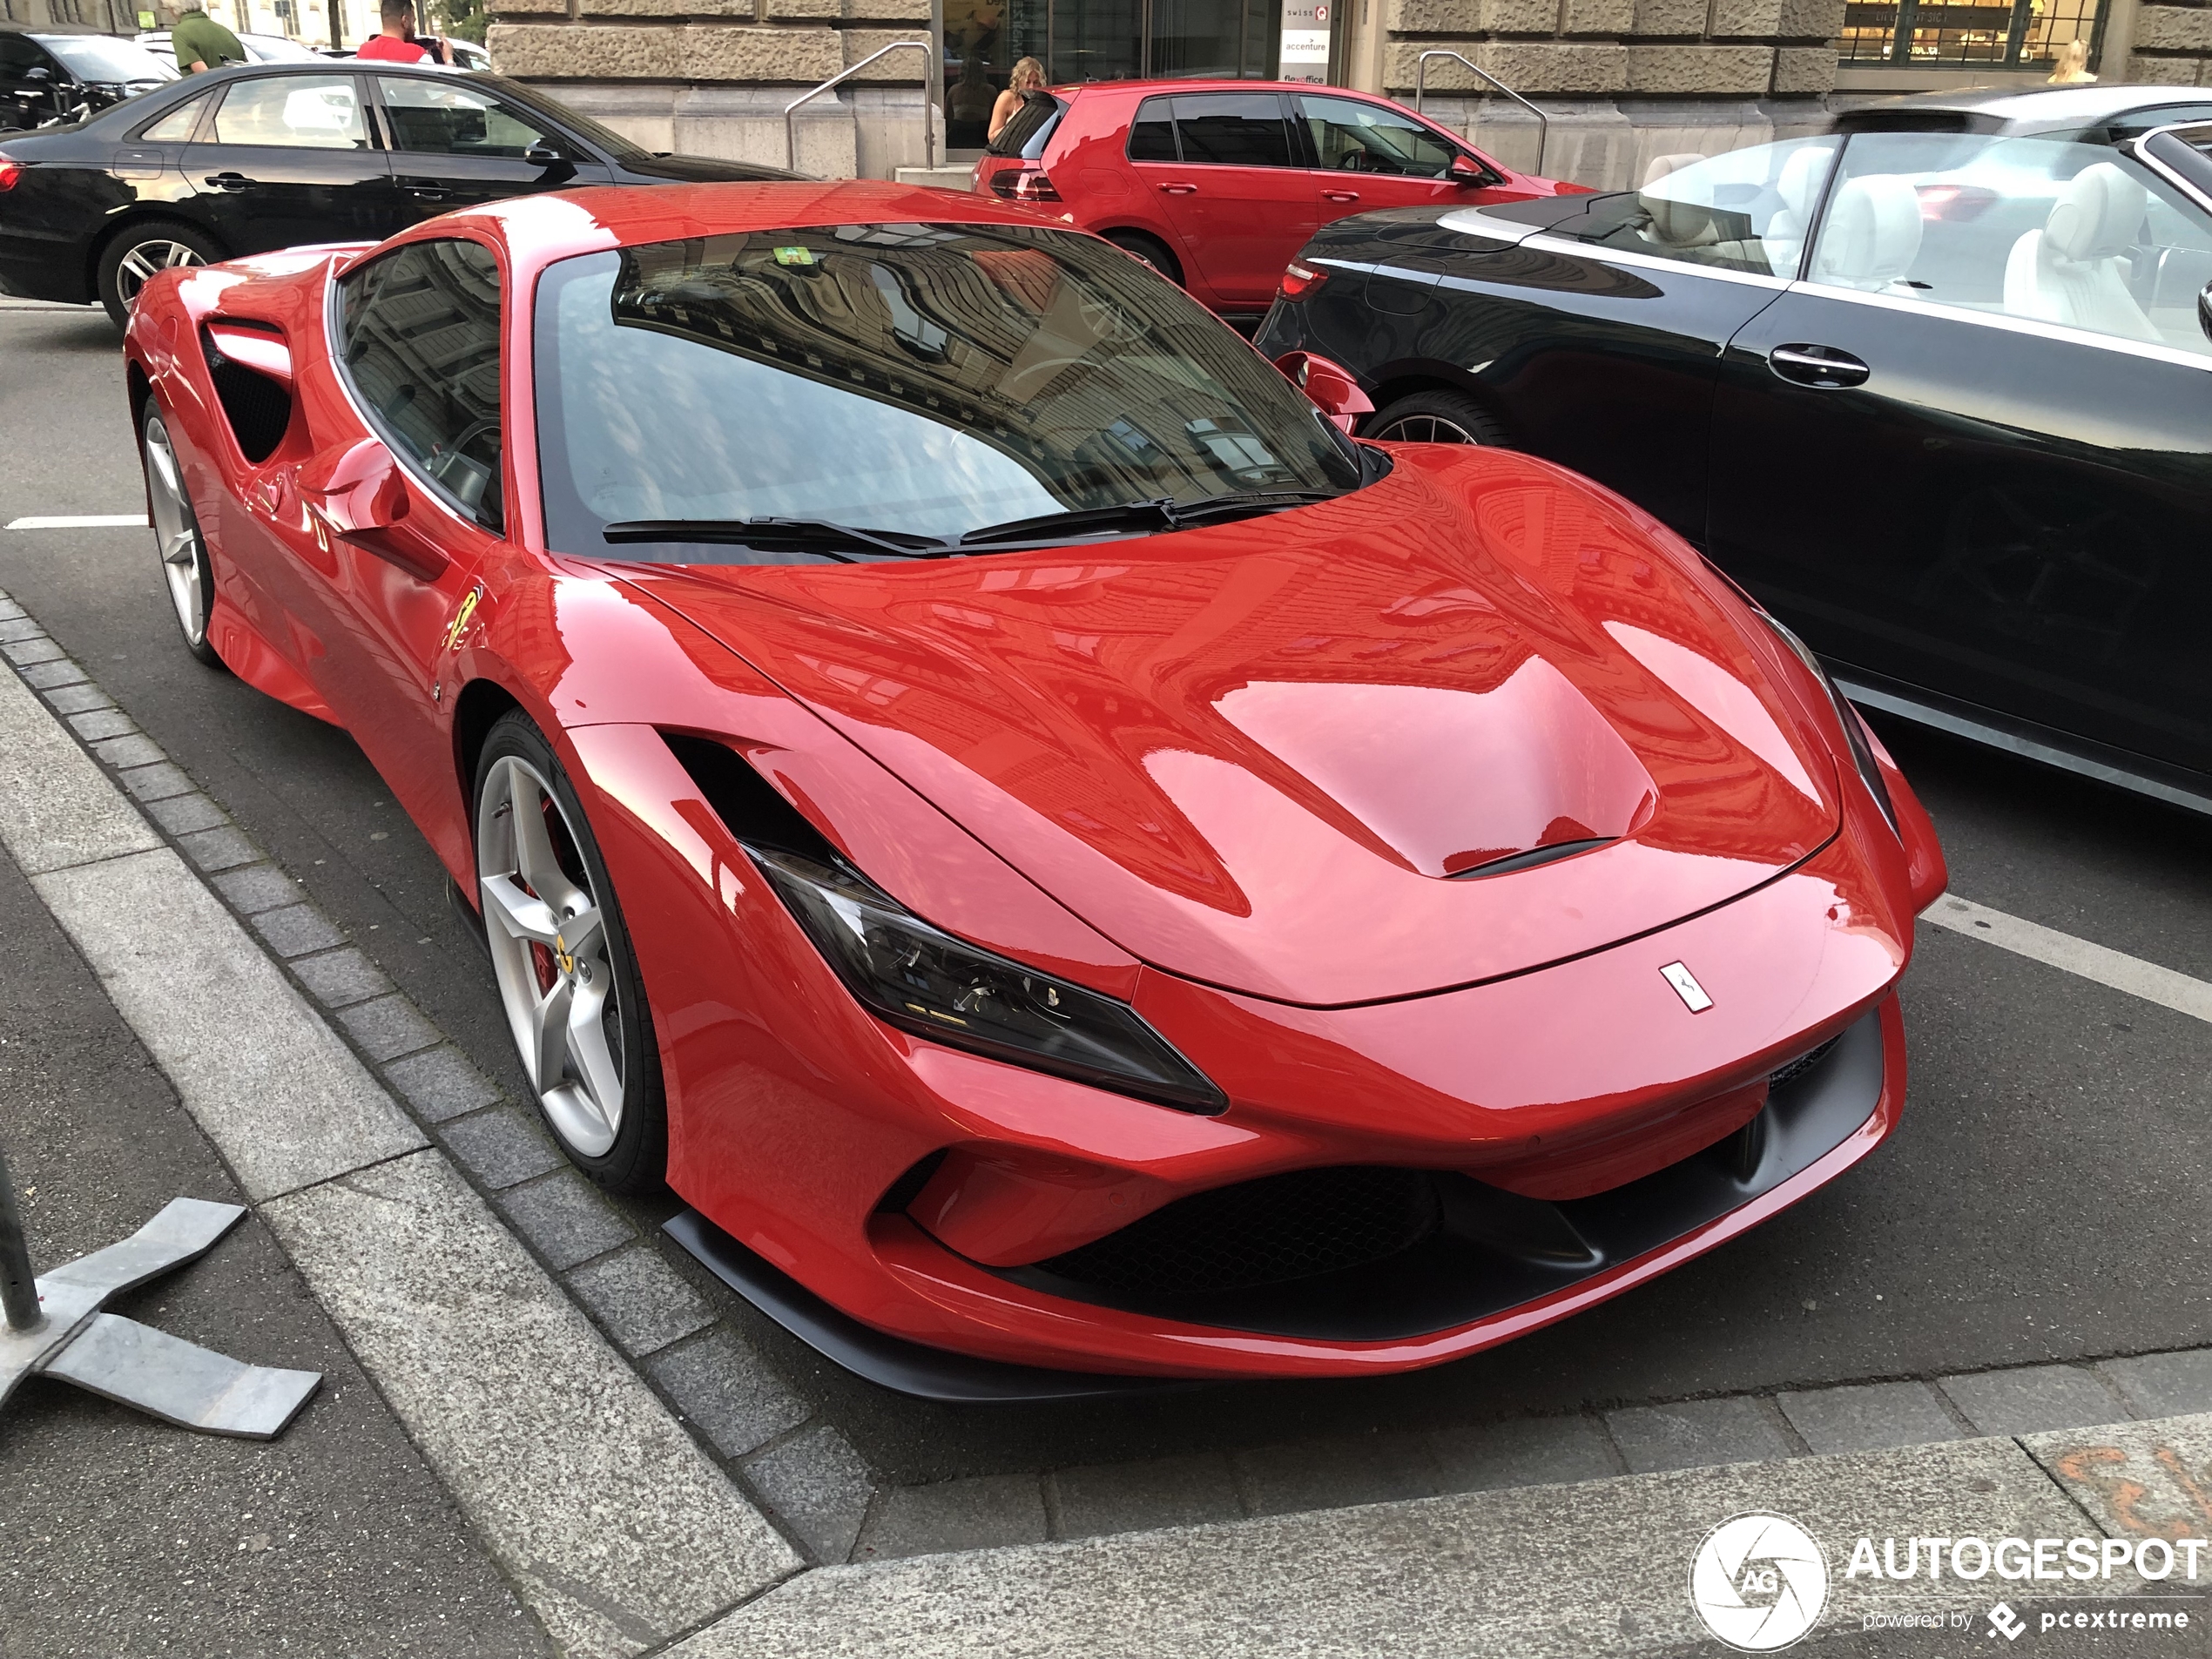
{"x": 264, "y": 156}
{"x": 1936, "y": 387}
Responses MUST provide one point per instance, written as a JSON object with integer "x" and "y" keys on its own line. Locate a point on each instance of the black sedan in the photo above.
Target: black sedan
{"x": 264, "y": 156}
{"x": 1936, "y": 387}
{"x": 61, "y": 72}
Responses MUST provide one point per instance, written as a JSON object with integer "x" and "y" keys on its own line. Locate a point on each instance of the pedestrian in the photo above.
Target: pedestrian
{"x": 1027, "y": 79}
{"x": 201, "y": 44}
{"x": 397, "y": 45}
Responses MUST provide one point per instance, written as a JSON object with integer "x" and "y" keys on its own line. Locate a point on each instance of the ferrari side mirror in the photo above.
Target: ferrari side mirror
{"x": 1329, "y": 386}
{"x": 360, "y": 496}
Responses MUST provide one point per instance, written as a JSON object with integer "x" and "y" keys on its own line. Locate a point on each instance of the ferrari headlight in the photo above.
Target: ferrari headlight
{"x": 925, "y": 981}
{"x": 1862, "y": 751}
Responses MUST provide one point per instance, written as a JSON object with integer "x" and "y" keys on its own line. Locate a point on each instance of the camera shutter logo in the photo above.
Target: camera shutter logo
{"x": 1758, "y": 1581}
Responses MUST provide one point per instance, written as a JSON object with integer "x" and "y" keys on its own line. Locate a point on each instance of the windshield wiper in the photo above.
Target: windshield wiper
{"x": 815, "y": 534}
{"x": 1163, "y": 513}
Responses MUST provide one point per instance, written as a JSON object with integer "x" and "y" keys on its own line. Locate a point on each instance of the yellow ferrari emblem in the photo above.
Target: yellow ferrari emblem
{"x": 461, "y": 618}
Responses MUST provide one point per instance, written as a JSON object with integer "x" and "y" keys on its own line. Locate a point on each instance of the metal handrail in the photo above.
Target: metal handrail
{"x": 1420, "y": 87}
{"x": 928, "y": 113}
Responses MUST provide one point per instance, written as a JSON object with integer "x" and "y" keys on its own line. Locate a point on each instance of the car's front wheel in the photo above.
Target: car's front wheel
{"x": 184, "y": 565}
{"x": 141, "y": 249}
{"x": 566, "y": 981}
{"x": 1435, "y": 417}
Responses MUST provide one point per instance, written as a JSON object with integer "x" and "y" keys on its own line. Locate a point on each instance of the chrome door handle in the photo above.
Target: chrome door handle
{"x": 1822, "y": 367}
{"x": 423, "y": 190}
{"x": 1178, "y": 190}
{"x": 1340, "y": 195}
{"x": 229, "y": 181}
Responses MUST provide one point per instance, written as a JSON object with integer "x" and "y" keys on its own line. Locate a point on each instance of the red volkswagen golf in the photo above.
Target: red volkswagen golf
{"x": 1053, "y": 850}
{"x": 1217, "y": 184}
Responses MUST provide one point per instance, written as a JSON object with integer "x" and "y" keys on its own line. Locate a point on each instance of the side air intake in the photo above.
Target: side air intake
{"x": 258, "y": 407}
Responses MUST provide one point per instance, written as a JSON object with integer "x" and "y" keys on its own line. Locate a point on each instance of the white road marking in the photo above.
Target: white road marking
{"x": 80, "y": 521}
{"x": 2107, "y": 966}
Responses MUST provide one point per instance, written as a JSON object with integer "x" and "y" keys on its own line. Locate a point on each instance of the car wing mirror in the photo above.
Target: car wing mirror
{"x": 542, "y": 154}
{"x": 254, "y": 348}
{"x": 38, "y": 72}
{"x": 1329, "y": 386}
{"x": 359, "y": 495}
{"x": 2204, "y": 309}
{"x": 1466, "y": 169}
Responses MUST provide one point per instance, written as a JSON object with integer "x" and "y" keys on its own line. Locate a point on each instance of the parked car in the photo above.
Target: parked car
{"x": 1216, "y": 184}
{"x": 260, "y": 49}
{"x": 253, "y": 158}
{"x": 56, "y": 75}
{"x": 1054, "y": 852}
{"x": 1934, "y": 386}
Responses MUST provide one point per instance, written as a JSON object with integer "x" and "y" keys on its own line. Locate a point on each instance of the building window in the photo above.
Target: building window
{"x": 1960, "y": 34}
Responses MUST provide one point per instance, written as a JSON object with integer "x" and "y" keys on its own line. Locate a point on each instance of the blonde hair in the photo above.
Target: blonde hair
{"x": 1027, "y": 74}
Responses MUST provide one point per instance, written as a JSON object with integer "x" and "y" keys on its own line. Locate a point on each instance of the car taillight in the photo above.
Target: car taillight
{"x": 10, "y": 171}
{"x": 1024, "y": 185}
{"x": 1298, "y": 281}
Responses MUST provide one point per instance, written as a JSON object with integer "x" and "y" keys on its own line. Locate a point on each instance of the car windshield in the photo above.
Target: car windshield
{"x": 929, "y": 380}
{"x": 99, "y": 57}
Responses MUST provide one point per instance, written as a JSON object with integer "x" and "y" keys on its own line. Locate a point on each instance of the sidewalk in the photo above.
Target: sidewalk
{"x": 122, "y": 1537}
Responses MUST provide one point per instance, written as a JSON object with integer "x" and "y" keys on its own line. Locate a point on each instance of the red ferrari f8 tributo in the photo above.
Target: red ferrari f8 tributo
{"x": 1056, "y": 853}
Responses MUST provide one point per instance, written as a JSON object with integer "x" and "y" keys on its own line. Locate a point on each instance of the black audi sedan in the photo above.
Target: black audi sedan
{"x": 1934, "y": 386}
{"x": 264, "y": 156}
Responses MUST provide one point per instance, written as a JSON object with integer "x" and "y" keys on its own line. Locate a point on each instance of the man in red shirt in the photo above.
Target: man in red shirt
{"x": 397, "y": 45}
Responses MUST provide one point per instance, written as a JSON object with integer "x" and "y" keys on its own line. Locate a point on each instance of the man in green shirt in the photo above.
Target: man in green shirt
{"x": 201, "y": 43}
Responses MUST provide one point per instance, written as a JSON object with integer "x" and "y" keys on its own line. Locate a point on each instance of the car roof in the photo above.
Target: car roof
{"x": 40, "y": 31}
{"x": 2042, "y": 109}
{"x": 1225, "y": 85}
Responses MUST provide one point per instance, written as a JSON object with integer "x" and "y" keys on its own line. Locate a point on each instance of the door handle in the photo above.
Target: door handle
{"x": 1340, "y": 195}
{"x": 425, "y": 190}
{"x": 1178, "y": 190}
{"x": 232, "y": 181}
{"x": 1823, "y": 367}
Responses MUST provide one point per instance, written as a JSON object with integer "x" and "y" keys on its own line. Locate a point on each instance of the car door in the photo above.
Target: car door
{"x": 455, "y": 145}
{"x": 1597, "y": 337}
{"x": 1368, "y": 156}
{"x": 1972, "y": 451}
{"x": 30, "y": 82}
{"x": 1239, "y": 195}
{"x": 289, "y": 158}
{"x": 419, "y": 331}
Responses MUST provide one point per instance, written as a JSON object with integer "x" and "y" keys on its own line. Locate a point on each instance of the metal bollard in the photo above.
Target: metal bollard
{"x": 19, "y": 1288}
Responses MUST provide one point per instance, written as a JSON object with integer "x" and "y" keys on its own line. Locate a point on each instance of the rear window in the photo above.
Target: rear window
{"x": 1029, "y": 128}
{"x": 1151, "y": 136}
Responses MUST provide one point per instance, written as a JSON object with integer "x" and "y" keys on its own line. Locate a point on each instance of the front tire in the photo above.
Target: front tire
{"x": 140, "y": 250}
{"x": 184, "y": 566}
{"x": 1436, "y": 417}
{"x": 575, "y": 1004}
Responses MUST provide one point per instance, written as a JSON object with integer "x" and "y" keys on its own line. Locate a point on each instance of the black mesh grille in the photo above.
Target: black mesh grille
{"x": 258, "y": 408}
{"x": 1782, "y": 1076}
{"x": 1268, "y": 1231}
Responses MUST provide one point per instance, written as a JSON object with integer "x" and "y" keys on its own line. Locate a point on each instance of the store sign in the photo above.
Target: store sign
{"x": 1306, "y": 41}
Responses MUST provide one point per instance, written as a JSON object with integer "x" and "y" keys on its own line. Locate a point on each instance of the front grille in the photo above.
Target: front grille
{"x": 1782, "y": 1076}
{"x": 1269, "y": 1231}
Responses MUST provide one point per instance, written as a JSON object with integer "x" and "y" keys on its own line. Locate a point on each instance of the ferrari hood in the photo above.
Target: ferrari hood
{"x": 1475, "y": 718}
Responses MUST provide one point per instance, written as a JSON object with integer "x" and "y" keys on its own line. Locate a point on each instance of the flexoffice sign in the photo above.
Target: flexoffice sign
{"x": 1759, "y": 1582}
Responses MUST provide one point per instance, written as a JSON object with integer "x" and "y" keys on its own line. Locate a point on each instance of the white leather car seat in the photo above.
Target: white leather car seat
{"x": 1662, "y": 166}
{"x": 1799, "y": 188}
{"x": 2069, "y": 270}
{"x": 1872, "y": 234}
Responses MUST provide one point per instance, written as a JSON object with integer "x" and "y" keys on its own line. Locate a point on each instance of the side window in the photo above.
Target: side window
{"x": 441, "y": 117}
{"x": 1234, "y": 129}
{"x": 420, "y": 333}
{"x": 2041, "y": 229}
{"x": 296, "y": 111}
{"x": 1151, "y": 136}
{"x": 180, "y": 123}
{"x": 1747, "y": 210}
{"x": 17, "y": 54}
{"x": 1350, "y": 136}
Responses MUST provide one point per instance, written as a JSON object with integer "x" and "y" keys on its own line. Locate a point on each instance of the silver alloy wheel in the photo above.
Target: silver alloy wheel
{"x": 156, "y": 253}
{"x": 175, "y": 535}
{"x": 1424, "y": 428}
{"x": 549, "y": 948}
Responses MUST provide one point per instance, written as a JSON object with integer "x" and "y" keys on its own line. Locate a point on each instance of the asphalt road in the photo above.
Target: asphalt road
{"x": 2046, "y": 1197}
